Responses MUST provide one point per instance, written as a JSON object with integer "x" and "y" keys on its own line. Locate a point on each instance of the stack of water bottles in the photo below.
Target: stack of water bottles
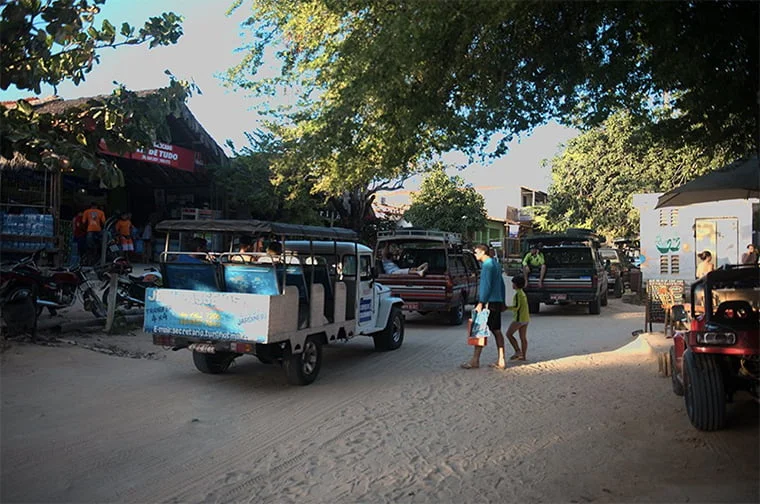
{"x": 22, "y": 225}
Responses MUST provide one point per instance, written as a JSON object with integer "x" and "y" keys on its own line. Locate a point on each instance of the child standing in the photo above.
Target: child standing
{"x": 521, "y": 319}
{"x": 124, "y": 232}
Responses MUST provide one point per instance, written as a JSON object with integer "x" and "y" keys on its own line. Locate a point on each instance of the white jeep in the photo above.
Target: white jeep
{"x": 281, "y": 306}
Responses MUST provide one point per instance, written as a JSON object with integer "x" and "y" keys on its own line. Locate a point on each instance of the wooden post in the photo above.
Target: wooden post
{"x": 113, "y": 284}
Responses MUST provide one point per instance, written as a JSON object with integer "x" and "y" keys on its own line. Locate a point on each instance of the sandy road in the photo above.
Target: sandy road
{"x": 580, "y": 422}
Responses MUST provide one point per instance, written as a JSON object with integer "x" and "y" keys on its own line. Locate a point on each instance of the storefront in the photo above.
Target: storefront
{"x": 168, "y": 180}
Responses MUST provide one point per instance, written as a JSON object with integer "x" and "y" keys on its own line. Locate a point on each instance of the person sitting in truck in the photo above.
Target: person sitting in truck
{"x": 391, "y": 268}
{"x": 534, "y": 260}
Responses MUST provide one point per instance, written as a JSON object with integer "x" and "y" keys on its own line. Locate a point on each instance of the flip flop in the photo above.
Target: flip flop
{"x": 467, "y": 365}
{"x": 516, "y": 357}
{"x": 496, "y": 366}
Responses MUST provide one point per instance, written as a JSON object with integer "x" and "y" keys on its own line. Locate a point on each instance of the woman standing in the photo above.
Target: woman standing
{"x": 706, "y": 266}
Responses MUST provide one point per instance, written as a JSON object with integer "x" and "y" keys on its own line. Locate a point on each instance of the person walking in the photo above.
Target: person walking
{"x": 95, "y": 219}
{"x": 491, "y": 293}
{"x": 521, "y": 319}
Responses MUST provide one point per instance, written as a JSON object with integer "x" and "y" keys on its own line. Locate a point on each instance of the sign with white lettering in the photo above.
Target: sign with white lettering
{"x": 212, "y": 315}
{"x": 161, "y": 153}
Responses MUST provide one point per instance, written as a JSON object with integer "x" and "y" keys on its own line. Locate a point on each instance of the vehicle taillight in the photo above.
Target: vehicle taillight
{"x": 163, "y": 340}
{"x": 449, "y": 285}
{"x": 594, "y": 280}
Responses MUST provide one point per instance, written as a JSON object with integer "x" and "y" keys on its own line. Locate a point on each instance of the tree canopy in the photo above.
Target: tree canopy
{"x": 48, "y": 42}
{"x": 378, "y": 87}
{"x": 594, "y": 179}
{"x": 447, "y": 203}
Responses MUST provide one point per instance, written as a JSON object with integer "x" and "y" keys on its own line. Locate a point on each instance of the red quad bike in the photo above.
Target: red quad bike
{"x": 720, "y": 353}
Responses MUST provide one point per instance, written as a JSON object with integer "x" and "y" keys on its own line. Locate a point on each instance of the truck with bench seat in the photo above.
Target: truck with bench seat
{"x": 281, "y": 307}
{"x": 575, "y": 272}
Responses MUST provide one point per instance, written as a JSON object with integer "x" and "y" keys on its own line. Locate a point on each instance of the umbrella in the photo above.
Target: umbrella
{"x": 738, "y": 180}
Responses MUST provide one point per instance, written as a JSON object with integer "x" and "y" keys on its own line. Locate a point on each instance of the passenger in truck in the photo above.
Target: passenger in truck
{"x": 534, "y": 260}
{"x": 391, "y": 268}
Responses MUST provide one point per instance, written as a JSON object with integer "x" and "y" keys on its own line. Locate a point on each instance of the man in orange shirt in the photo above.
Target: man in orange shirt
{"x": 95, "y": 219}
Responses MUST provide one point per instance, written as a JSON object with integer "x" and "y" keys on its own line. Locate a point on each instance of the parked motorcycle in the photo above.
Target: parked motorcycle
{"x": 130, "y": 291}
{"x": 53, "y": 289}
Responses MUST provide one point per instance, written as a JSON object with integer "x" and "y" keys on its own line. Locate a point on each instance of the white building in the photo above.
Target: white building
{"x": 672, "y": 237}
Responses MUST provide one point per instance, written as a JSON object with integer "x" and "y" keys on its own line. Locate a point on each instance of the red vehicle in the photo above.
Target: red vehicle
{"x": 720, "y": 353}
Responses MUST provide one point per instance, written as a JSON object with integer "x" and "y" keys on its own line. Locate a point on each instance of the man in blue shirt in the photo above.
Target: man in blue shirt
{"x": 491, "y": 293}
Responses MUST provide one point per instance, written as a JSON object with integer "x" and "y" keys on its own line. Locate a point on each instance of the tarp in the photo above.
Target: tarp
{"x": 254, "y": 227}
{"x": 738, "y": 180}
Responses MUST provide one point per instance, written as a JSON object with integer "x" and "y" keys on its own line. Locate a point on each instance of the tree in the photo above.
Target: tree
{"x": 448, "y": 204}
{"x": 380, "y": 86}
{"x": 248, "y": 184}
{"x": 48, "y": 42}
{"x": 594, "y": 179}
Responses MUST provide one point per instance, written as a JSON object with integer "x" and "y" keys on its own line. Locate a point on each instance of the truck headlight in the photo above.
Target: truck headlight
{"x": 716, "y": 338}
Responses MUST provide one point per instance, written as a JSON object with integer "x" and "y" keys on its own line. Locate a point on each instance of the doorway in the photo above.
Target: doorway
{"x": 720, "y": 236}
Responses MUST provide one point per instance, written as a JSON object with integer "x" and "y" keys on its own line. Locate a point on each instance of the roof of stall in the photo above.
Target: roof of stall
{"x": 257, "y": 227}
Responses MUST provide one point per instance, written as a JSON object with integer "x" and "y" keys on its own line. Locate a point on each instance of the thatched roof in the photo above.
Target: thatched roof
{"x": 192, "y": 131}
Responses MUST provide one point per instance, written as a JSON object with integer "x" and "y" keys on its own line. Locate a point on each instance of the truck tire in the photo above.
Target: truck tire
{"x": 303, "y": 368}
{"x": 534, "y": 306}
{"x": 674, "y": 378}
{"x": 704, "y": 394}
{"x": 392, "y": 336}
{"x": 618, "y": 291}
{"x": 595, "y": 306}
{"x": 605, "y": 300}
{"x": 214, "y": 363}
{"x": 456, "y": 314}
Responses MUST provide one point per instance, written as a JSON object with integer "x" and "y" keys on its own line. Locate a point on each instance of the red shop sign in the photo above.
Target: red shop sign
{"x": 161, "y": 153}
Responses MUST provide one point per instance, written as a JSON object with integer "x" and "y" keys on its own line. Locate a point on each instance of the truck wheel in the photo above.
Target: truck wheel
{"x": 392, "y": 336}
{"x": 704, "y": 394}
{"x": 618, "y": 292}
{"x": 456, "y": 314}
{"x": 674, "y": 378}
{"x": 214, "y": 363}
{"x": 595, "y": 306}
{"x": 534, "y": 306}
{"x": 303, "y": 368}
{"x": 605, "y": 300}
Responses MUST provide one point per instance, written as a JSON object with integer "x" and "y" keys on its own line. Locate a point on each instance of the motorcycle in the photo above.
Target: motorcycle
{"x": 53, "y": 289}
{"x": 130, "y": 290}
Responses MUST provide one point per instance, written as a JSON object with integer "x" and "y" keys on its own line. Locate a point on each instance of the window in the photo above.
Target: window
{"x": 675, "y": 264}
{"x": 664, "y": 265}
{"x": 365, "y": 267}
{"x": 349, "y": 265}
{"x": 673, "y": 217}
{"x": 670, "y": 264}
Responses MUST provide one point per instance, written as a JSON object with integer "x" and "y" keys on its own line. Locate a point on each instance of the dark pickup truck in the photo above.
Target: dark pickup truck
{"x": 450, "y": 282}
{"x": 575, "y": 272}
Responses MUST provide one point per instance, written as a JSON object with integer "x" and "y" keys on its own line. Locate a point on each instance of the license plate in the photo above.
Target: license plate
{"x": 411, "y": 306}
{"x": 558, "y": 297}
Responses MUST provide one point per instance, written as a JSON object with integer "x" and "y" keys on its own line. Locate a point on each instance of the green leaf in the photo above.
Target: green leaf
{"x": 81, "y": 138}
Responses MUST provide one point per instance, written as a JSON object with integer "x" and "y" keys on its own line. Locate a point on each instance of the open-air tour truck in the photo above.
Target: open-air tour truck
{"x": 281, "y": 307}
{"x": 450, "y": 282}
{"x": 719, "y": 354}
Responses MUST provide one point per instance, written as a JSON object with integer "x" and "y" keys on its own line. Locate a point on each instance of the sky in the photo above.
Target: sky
{"x": 207, "y": 49}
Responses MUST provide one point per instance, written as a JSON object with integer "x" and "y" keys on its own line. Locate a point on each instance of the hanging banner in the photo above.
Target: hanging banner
{"x": 161, "y": 153}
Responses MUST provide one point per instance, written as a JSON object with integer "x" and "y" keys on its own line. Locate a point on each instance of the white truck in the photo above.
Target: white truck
{"x": 313, "y": 287}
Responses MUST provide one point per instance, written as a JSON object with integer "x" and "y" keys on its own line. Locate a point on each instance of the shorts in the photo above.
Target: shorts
{"x": 494, "y": 315}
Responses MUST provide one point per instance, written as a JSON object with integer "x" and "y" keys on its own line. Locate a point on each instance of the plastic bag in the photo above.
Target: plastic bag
{"x": 478, "y": 328}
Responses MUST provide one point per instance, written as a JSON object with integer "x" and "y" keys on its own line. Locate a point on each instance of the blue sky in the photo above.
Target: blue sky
{"x": 207, "y": 49}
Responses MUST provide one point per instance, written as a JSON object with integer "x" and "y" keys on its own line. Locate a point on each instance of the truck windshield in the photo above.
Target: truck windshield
{"x": 568, "y": 257}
